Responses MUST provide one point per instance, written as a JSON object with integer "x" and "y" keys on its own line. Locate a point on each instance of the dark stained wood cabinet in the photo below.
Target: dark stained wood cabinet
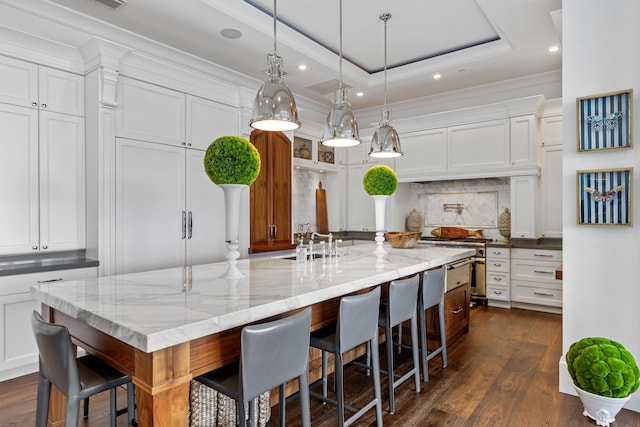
{"x": 457, "y": 303}
{"x": 270, "y": 228}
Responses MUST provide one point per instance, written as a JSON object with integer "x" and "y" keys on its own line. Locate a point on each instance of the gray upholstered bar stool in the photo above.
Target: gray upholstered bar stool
{"x": 357, "y": 324}
{"x": 271, "y": 354}
{"x": 76, "y": 378}
{"x": 400, "y": 307}
{"x": 431, "y": 294}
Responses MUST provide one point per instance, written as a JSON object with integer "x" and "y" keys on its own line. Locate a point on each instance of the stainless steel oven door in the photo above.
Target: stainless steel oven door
{"x": 459, "y": 273}
{"x": 479, "y": 284}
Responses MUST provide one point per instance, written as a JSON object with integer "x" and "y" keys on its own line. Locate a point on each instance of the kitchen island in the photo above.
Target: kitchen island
{"x": 165, "y": 327}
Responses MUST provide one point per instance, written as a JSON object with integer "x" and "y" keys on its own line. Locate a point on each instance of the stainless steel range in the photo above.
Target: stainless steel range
{"x": 478, "y": 283}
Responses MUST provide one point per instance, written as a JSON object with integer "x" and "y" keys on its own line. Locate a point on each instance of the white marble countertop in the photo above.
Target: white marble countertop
{"x": 153, "y": 310}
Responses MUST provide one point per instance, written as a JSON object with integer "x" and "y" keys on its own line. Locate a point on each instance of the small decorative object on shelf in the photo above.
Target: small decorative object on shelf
{"x": 233, "y": 163}
{"x": 604, "y": 374}
{"x": 504, "y": 223}
{"x": 304, "y": 152}
{"x": 380, "y": 182}
{"x": 414, "y": 221}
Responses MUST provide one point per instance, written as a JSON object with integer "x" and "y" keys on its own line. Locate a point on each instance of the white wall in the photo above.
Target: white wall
{"x": 601, "y": 292}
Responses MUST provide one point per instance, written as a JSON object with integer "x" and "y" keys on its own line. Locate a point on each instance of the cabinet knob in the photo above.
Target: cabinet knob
{"x": 44, "y": 105}
{"x": 45, "y": 247}
{"x": 34, "y": 104}
{"x": 189, "y": 145}
{"x": 35, "y": 248}
{"x": 183, "y": 143}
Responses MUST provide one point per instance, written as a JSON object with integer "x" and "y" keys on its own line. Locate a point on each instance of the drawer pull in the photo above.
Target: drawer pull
{"x": 543, "y": 271}
{"x": 497, "y": 264}
{"x": 543, "y": 294}
{"x": 497, "y": 292}
{"x": 544, "y": 255}
{"x": 457, "y": 310}
{"x": 50, "y": 280}
{"x": 497, "y": 279}
{"x": 496, "y": 253}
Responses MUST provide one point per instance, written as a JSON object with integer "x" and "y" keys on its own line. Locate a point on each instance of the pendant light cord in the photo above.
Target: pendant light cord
{"x": 275, "y": 14}
{"x": 340, "y": 44}
{"x": 385, "y": 61}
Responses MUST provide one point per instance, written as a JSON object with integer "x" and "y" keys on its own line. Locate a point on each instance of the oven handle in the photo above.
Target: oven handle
{"x": 479, "y": 260}
{"x": 459, "y": 264}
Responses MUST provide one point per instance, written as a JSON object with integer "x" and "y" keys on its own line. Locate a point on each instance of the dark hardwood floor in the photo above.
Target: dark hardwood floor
{"x": 503, "y": 373}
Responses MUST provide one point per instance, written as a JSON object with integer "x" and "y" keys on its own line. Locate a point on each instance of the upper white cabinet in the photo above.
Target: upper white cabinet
{"x": 424, "y": 153}
{"x": 551, "y": 177}
{"x": 479, "y": 146}
{"x": 524, "y": 147}
{"x": 36, "y": 86}
{"x": 208, "y": 120}
{"x": 524, "y": 206}
{"x": 359, "y": 154}
{"x": 309, "y": 153}
{"x": 150, "y": 113}
{"x": 42, "y": 180}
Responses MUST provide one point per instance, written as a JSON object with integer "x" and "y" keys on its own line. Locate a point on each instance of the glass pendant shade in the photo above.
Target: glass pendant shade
{"x": 274, "y": 108}
{"x": 385, "y": 142}
{"x": 341, "y": 128}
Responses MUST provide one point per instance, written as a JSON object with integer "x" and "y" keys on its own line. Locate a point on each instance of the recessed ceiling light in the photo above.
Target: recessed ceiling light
{"x": 436, "y": 76}
{"x": 554, "y": 49}
{"x": 231, "y": 33}
{"x": 302, "y": 67}
{"x": 359, "y": 93}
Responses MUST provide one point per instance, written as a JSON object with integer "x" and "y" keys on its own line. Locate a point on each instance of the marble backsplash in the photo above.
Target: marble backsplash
{"x": 470, "y": 203}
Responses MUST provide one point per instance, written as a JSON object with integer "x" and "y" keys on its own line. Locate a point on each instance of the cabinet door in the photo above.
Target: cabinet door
{"x": 18, "y": 347}
{"x": 151, "y": 220}
{"x": 60, "y": 91}
{"x": 208, "y": 120}
{"x": 150, "y": 113}
{"x": 360, "y": 211}
{"x": 425, "y": 153}
{"x": 524, "y": 206}
{"x": 523, "y": 141}
{"x": 456, "y": 312}
{"x": 205, "y": 214}
{"x": 551, "y": 191}
{"x": 261, "y": 203}
{"x": 62, "y": 182}
{"x": 18, "y": 179}
{"x": 281, "y": 187}
{"x": 18, "y": 82}
{"x": 479, "y": 146}
{"x": 551, "y": 130}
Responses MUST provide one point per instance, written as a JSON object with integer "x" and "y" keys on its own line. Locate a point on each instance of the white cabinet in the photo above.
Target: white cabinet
{"x": 35, "y": 86}
{"x": 524, "y": 206}
{"x": 359, "y": 154}
{"x": 309, "y": 153}
{"x": 551, "y": 177}
{"x": 208, "y": 120}
{"x": 361, "y": 210}
{"x": 524, "y": 147}
{"x": 425, "y": 153}
{"x": 498, "y": 277}
{"x": 479, "y": 146}
{"x": 168, "y": 212}
{"x": 18, "y": 351}
{"x": 42, "y": 179}
{"x": 533, "y": 282}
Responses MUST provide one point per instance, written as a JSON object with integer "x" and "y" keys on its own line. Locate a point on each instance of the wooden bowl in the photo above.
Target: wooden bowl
{"x": 403, "y": 239}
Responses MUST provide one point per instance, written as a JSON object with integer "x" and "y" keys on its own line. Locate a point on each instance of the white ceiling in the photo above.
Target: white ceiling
{"x": 469, "y": 42}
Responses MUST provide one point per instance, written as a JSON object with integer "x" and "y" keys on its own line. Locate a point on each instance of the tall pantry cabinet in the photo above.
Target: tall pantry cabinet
{"x": 168, "y": 212}
{"x": 42, "y": 164}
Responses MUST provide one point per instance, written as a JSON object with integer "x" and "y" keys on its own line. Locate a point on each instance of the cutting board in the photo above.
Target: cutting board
{"x": 321, "y": 210}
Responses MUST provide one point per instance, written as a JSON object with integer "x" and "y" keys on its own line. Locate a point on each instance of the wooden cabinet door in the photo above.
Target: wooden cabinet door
{"x": 271, "y": 194}
{"x": 456, "y": 312}
{"x": 18, "y": 179}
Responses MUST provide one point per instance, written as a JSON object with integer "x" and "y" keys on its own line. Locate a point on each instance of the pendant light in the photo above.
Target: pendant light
{"x": 340, "y": 129}
{"x": 274, "y": 108}
{"x": 385, "y": 142}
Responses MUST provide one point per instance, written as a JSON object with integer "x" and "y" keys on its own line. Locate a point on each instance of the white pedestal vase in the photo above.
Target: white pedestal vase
{"x": 232, "y": 195}
{"x": 380, "y": 203}
{"x": 601, "y": 409}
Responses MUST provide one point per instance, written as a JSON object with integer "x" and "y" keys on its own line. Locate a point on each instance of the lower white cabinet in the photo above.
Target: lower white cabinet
{"x": 168, "y": 212}
{"x": 498, "y": 278}
{"x": 18, "y": 351}
{"x": 533, "y": 281}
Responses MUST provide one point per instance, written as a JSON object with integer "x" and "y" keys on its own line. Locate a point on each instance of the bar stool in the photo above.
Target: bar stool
{"x": 432, "y": 295}
{"x": 401, "y": 306}
{"x": 271, "y": 354}
{"x": 357, "y": 324}
{"x": 76, "y": 378}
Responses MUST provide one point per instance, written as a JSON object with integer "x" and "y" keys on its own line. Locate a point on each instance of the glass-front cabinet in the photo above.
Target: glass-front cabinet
{"x": 309, "y": 153}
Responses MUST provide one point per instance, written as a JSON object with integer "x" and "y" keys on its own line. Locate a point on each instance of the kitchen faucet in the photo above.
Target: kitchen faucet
{"x": 329, "y": 236}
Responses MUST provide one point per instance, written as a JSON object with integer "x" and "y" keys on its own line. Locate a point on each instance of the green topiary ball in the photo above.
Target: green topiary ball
{"x": 603, "y": 367}
{"x": 380, "y": 180}
{"x": 232, "y": 160}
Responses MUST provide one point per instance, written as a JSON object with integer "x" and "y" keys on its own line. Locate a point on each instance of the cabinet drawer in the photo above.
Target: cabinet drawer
{"x": 530, "y": 293}
{"x": 498, "y": 279}
{"x": 22, "y": 283}
{"x": 458, "y": 276}
{"x": 537, "y": 255}
{"x": 496, "y": 292}
{"x": 498, "y": 265}
{"x": 500, "y": 253}
{"x": 536, "y": 271}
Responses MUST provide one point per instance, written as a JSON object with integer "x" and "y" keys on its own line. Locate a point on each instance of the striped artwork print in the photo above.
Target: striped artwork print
{"x": 605, "y": 197}
{"x": 604, "y": 122}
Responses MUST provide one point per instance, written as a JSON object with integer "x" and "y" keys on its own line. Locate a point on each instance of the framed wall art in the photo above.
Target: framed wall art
{"x": 604, "y": 196}
{"x": 604, "y": 121}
